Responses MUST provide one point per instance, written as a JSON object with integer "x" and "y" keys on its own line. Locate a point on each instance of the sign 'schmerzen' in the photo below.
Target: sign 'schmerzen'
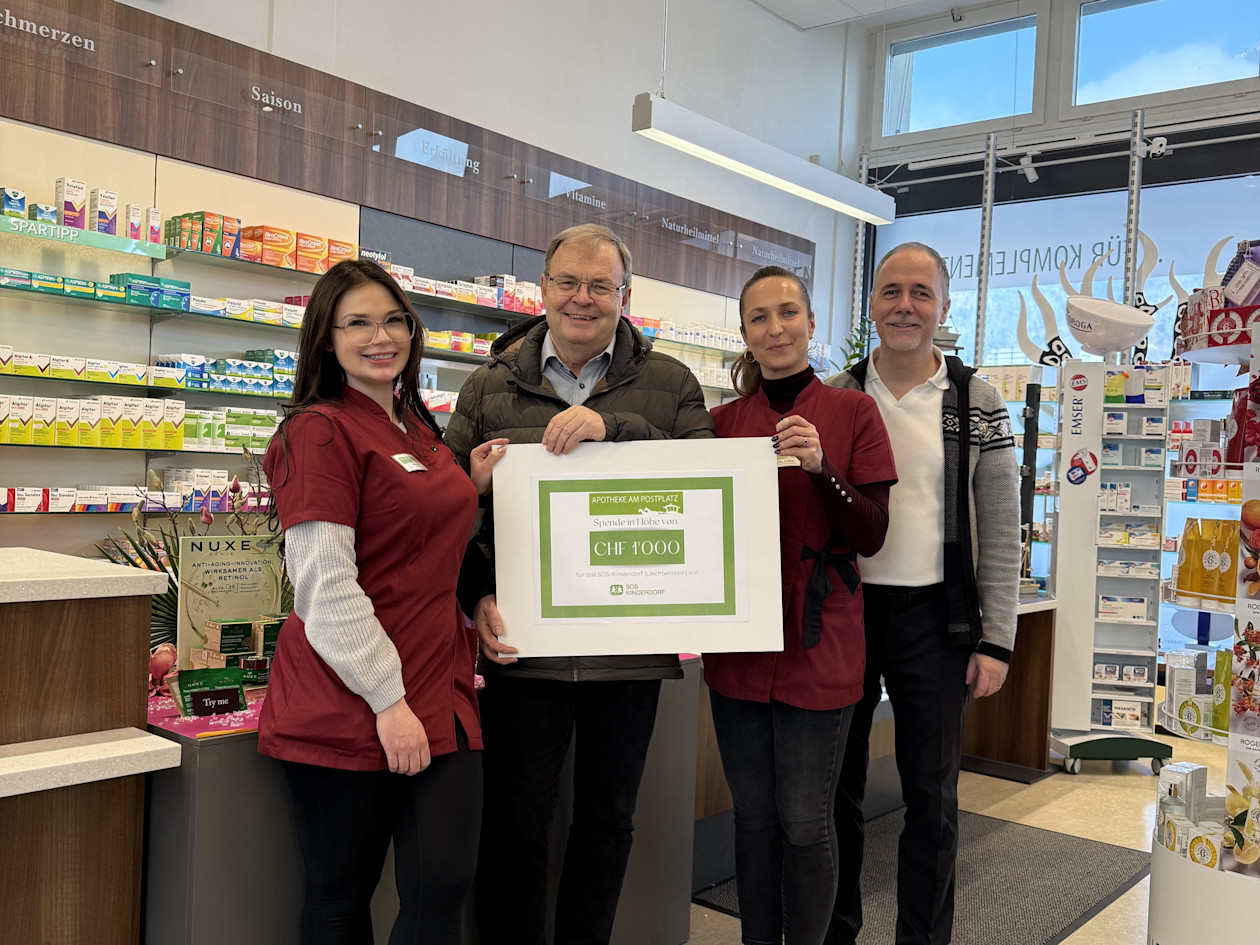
{"x": 12, "y": 22}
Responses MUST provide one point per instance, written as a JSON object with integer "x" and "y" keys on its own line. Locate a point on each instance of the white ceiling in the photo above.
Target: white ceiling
{"x": 871, "y": 14}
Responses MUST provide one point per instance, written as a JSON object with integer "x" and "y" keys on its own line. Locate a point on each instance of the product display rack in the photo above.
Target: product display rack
{"x": 1105, "y": 718}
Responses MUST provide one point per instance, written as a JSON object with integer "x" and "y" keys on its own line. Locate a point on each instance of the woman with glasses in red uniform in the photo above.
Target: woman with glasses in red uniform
{"x": 782, "y": 719}
{"x": 370, "y": 705}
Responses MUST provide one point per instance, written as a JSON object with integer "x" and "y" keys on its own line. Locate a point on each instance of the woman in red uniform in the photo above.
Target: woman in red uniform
{"x": 371, "y": 705}
{"x": 782, "y": 718}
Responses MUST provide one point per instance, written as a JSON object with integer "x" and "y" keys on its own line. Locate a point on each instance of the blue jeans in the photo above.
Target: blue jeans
{"x": 526, "y": 728}
{"x": 783, "y": 765}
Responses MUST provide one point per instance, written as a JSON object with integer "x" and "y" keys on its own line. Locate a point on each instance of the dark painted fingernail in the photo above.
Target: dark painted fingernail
{"x": 775, "y": 438}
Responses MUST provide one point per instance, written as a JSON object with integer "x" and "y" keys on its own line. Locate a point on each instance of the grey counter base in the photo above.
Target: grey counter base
{"x": 222, "y": 861}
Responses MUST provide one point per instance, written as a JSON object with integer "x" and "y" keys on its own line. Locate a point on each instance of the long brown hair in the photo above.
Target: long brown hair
{"x": 320, "y": 378}
{"x": 746, "y": 372}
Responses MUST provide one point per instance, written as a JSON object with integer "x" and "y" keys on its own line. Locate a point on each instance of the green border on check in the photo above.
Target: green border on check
{"x": 723, "y": 608}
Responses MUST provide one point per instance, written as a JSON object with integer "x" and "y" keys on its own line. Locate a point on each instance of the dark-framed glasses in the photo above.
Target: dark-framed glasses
{"x": 361, "y": 331}
{"x": 598, "y": 290}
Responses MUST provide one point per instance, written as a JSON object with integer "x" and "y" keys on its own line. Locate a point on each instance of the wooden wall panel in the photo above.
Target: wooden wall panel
{"x": 72, "y": 666}
{"x": 205, "y": 100}
{"x": 71, "y": 869}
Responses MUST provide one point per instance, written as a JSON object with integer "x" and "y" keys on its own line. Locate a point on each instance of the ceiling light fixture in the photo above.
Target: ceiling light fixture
{"x": 661, "y": 120}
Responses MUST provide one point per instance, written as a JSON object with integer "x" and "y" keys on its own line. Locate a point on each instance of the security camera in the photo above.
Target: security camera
{"x": 1157, "y": 148}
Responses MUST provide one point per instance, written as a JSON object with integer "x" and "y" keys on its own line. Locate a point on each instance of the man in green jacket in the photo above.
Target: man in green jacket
{"x": 581, "y": 372}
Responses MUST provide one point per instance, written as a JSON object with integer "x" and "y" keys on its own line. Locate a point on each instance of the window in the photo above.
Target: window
{"x": 962, "y": 76}
{"x": 1127, "y": 48}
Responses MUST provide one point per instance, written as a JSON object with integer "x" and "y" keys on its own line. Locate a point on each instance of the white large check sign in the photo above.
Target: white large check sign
{"x": 644, "y": 547}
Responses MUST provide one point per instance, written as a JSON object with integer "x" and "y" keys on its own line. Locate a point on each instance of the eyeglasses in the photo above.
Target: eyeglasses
{"x": 600, "y": 291}
{"x": 361, "y": 331}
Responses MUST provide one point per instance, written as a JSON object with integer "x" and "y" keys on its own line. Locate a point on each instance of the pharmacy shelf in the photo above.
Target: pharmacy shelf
{"x": 1149, "y": 469}
{"x": 71, "y": 237}
{"x": 1106, "y": 685}
{"x": 121, "y": 449}
{"x": 1131, "y": 733}
{"x": 1105, "y": 514}
{"x": 159, "y": 391}
{"x": 1103, "y": 544}
{"x": 1126, "y": 623}
{"x": 1126, "y": 577}
{"x": 1159, "y": 438}
{"x": 1124, "y": 695}
{"x": 1107, "y": 407}
{"x": 1122, "y": 651}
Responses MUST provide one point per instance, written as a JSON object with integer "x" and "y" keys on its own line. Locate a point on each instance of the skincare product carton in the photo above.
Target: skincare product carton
{"x": 1190, "y": 781}
{"x": 44, "y": 421}
{"x": 172, "y": 424}
{"x": 1222, "y": 684}
{"x": 230, "y": 637}
{"x": 70, "y": 199}
{"x": 67, "y": 421}
{"x": 89, "y": 423}
{"x": 111, "y": 420}
{"x": 1108, "y": 672}
{"x": 103, "y": 210}
{"x": 1177, "y": 831}
{"x": 312, "y": 253}
{"x": 21, "y": 410}
{"x": 67, "y": 368}
{"x": 1206, "y": 845}
{"x": 14, "y": 203}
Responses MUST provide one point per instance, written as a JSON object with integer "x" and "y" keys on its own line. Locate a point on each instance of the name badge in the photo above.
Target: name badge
{"x": 787, "y": 461}
{"x": 409, "y": 462}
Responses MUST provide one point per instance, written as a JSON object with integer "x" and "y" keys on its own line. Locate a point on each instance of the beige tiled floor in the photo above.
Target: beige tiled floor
{"x": 1109, "y": 801}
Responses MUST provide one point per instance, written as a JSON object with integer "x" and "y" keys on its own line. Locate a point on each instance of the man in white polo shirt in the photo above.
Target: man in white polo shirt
{"x": 940, "y": 595}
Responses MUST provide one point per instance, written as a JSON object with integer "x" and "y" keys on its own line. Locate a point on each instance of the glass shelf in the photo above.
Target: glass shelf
{"x": 123, "y": 449}
{"x": 71, "y": 236}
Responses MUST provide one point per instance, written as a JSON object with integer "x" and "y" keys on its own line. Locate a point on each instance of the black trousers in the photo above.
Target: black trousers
{"x": 527, "y": 725}
{"x": 925, "y": 674}
{"x": 345, "y": 820}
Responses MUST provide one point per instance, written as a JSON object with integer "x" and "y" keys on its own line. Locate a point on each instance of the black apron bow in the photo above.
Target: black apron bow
{"x": 820, "y": 586}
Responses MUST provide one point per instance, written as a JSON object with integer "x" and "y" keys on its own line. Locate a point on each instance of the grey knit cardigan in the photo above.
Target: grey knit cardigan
{"x": 981, "y": 563}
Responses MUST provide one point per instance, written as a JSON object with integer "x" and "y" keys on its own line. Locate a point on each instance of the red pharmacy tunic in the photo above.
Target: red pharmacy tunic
{"x": 829, "y": 674}
{"x": 348, "y": 464}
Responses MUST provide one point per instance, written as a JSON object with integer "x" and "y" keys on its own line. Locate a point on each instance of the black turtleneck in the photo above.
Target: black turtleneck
{"x": 782, "y": 391}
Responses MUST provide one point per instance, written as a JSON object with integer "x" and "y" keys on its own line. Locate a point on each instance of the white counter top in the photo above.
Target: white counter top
{"x": 51, "y": 763}
{"x": 1030, "y": 605}
{"x": 27, "y": 574}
